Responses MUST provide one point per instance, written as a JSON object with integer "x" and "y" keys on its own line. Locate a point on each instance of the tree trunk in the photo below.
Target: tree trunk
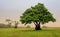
{"x": 15, "y": 25}
{"x": 37, "y": 27}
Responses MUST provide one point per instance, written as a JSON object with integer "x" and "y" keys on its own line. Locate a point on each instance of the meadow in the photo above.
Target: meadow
{"x": 29, "y": 32}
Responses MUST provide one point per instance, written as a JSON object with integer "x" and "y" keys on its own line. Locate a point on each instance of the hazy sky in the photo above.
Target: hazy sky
{"x": 14, "y": 8}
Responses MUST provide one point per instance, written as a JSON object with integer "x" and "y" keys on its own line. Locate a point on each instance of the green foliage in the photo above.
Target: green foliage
{"x": 37, "y": 13}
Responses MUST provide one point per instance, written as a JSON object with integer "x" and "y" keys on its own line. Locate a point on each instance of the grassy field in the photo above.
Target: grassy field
{"x": 27, "y": 32}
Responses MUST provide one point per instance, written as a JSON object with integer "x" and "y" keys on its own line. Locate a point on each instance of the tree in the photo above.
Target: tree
{"x": 16, "y": 23}
{"x": 9, "y": 22}
{"x": 37, "y": 14}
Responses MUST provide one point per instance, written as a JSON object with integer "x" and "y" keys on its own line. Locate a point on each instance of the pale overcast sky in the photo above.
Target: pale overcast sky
{"x": 14, "y": 8}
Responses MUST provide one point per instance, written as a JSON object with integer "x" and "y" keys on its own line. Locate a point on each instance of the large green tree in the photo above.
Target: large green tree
{"x": 37, "y": 14}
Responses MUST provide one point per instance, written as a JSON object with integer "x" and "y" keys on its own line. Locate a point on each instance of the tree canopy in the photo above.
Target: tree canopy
{"x": 37, "y": 13}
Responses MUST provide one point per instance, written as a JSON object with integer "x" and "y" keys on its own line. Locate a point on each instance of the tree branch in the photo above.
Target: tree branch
{"x": 35, "y": 23}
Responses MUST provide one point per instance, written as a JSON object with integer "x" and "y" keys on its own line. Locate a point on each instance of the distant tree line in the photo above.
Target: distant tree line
{"x": 4, "y": 25}
{"x": 9, "y": 25}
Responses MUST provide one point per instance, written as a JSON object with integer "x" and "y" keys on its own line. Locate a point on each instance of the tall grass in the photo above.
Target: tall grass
{"x": 28, "y": 32}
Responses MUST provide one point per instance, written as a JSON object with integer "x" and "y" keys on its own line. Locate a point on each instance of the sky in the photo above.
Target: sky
{"x": 13, "y": 9}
